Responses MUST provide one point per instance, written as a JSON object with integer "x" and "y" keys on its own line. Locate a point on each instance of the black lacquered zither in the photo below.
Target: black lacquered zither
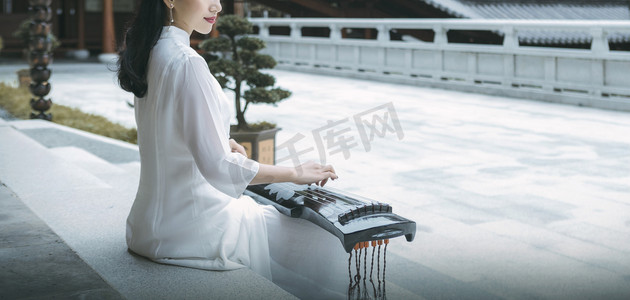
{"x": 351, "y": 218}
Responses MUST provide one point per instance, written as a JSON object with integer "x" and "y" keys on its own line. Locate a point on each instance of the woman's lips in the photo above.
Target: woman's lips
{"x": 210, "y": 20}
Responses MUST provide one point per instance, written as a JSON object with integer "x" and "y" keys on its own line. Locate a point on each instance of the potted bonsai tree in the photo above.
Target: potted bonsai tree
{"x": 234, "y": 61}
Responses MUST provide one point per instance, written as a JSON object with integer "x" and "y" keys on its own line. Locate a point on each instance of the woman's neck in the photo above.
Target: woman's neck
{"x": 189, "y": 31}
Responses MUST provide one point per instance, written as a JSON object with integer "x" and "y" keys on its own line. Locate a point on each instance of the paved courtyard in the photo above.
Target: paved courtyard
{"x": 513, "y": 198}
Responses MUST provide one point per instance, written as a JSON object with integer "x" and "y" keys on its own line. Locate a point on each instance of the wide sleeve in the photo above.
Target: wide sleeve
{"x": 204, "y": 133}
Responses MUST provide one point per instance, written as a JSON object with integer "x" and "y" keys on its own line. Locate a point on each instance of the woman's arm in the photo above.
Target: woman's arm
{"x": 203, "y": 129}
{"x": 306, "y": 173}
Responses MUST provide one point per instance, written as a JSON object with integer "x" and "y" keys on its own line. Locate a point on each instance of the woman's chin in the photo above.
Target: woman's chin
{"x": 204, "y": 30}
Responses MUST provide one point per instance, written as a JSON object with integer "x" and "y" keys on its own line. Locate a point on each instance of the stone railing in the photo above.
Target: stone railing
{"x": 595, "y": 77}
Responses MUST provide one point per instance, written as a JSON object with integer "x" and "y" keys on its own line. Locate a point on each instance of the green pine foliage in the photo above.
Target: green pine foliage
{"x": 234, "y": 60}
{"x": 23, "y": 32}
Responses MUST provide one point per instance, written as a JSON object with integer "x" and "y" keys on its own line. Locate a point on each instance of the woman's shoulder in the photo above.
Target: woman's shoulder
{"x": 175, "y": 53}
{"x": 170, "y": 61}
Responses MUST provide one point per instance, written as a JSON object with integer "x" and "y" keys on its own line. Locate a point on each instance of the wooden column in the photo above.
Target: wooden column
{"x": 81, "y": 24}
{"x": 109, "y": 40}
{"x": 239, "y": 8}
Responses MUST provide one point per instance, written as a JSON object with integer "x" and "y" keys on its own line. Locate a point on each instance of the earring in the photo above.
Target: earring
{"x": 171, "y": 13}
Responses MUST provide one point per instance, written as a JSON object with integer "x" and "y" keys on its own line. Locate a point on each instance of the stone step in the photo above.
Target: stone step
{"x": 132, "y": 168}
{"x": 34, "y": 260}
{"x": 53, "y": 135}
{"x": 86, "y": 160}
{"x": 89, "y": 214}
{"x": 115, "y": 162}
{"x": 124, "y": 177}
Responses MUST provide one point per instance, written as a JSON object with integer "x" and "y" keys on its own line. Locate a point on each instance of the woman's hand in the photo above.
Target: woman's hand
{"x": 312, "y": 172}
{"x": 236, "y": 147}
{"x": 306, "y": 173}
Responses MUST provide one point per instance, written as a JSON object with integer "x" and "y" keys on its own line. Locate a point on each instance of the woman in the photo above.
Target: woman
{"x": 188, "y": 209}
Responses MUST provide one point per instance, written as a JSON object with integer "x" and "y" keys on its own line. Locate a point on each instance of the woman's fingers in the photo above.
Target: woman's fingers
{"x": 240, "y": 149}
{"x": 330, "y": 172}
{"x": 329, "y": 175}
{"x": 315, "y": 173}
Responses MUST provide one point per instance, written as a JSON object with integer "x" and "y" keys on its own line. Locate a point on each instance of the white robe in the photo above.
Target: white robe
{"x": 189, "y": 210}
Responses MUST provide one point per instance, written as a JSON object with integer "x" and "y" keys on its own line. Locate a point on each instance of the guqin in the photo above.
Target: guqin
{"x": 358, "y": 222}
{"x": 353, "y": 219}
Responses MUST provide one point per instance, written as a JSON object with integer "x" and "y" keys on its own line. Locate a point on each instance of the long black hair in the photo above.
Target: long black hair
{"x": 141, "y": 35}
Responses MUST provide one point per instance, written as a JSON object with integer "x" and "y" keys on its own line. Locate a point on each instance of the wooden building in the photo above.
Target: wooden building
{"x": 78, "y": 24}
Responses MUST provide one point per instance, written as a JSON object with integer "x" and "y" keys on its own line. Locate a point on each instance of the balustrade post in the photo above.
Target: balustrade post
{"x": 439, "y": 40}
{"x": 510, "y": 40}
{"x": 600, "y": 41}
{"x": 296, "y": 34}
{"x": 263, "y": 30}
{"x": 383, "y": 33}
{"x": 440, "y": 35}
{"x": 296, "y": 31}
{"x": 550, "y": 74}
{"x": 599, "y": 45}
{"x": 39, "y": 56}
{"x": 335, "y": 32}
{"x": 381, "y": 36}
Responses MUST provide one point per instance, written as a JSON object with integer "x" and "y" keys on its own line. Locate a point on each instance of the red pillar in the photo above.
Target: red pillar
{"x": 239, "y": 8}
{"x": 109, "y": 40}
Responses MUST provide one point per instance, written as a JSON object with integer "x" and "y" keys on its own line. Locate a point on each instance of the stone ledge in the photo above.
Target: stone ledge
{"x": 89, "y": 215}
